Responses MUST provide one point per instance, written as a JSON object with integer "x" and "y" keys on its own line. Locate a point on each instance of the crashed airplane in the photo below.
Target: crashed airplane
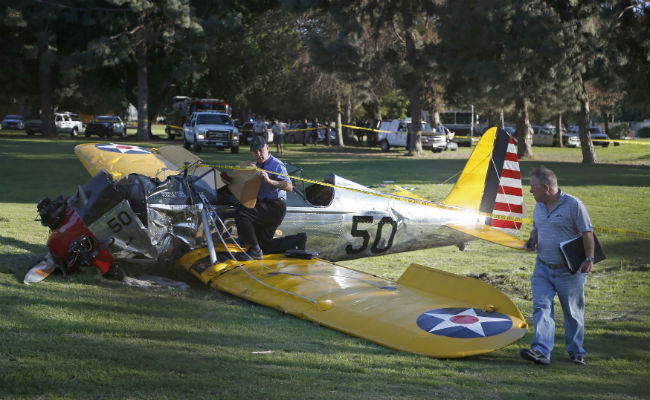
{"x": 164, "y": 205}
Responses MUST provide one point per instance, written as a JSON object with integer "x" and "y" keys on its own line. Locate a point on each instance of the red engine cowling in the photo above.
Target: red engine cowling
{"x": 70, "y": 229}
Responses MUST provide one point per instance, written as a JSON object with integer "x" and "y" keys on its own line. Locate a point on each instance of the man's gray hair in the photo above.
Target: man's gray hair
{"x": 545, "y": 176}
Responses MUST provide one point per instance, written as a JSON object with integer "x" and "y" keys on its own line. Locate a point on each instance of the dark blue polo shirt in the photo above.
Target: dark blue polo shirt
{"x": 268, "y": 192}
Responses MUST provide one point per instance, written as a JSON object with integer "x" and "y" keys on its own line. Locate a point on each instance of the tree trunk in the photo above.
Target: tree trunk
{"x": 339, "y": 128}
{"x": 502, "y": 119}
{"x": 524, "y": 138}
{"x": 348, "y": 116}
{"x": 144, "y": 130}
{"x": 588, "y": 153}
{"x": 436, "y": 117}
{"x": 558, "y": 131}
{"x": 413, "y": 140}
{"x": 45, "y": 84}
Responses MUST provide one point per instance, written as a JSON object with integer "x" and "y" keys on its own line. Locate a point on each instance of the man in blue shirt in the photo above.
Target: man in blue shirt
{"x": 256, "y": 226}
{"x": 557, "y": 217}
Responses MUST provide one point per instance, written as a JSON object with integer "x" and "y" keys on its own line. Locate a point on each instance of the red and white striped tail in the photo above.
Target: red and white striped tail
{"x": 509, "y": 200}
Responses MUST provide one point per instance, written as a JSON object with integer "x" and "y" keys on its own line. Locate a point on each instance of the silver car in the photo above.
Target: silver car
{"x": 13, "y": 122}
{"x": 544, "y": 135}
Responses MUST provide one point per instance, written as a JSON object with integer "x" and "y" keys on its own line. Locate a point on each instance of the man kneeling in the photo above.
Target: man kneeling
{"x": 256, "y": 226}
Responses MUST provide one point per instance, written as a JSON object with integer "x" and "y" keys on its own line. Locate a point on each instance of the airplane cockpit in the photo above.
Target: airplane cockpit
{"x": 311, "y": 195}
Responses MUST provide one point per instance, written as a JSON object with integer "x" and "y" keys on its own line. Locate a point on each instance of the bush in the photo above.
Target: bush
{"x": 644, "y": 132}
{"x": 620, "y": 131}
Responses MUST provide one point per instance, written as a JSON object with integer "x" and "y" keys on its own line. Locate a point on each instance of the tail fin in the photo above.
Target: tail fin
{"x": 491, "y": 181}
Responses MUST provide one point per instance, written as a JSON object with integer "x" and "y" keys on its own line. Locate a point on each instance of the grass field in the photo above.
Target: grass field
{"x": 82, "y": 336}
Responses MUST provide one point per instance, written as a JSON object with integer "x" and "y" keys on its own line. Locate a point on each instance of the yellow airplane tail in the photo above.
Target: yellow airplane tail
{"x": 491, "y": 182}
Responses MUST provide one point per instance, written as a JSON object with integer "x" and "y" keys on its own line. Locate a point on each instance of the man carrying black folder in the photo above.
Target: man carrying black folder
{"x": 558, "y": 217}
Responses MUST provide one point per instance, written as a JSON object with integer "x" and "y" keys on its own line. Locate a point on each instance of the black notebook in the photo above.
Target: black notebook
{"x": 573, "y": 251}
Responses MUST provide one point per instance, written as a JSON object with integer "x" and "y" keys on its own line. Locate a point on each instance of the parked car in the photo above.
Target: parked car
{"x": 13, "y": 122}
{"x": 210, "y": 129}
{"x": 331, "y": 132}
{"x": 64, "y": 122}
{"x": 298, "y": 135}
{"x": 68, "y": 122}
{"x": 599, "y": 137}
{"x": 33, "y": 126}
{"x": 463, "y": 134}
{"x": 544, "y": 135}
{"x": 246, "y": 133}
{"x": 106, "y": 126}
{"x": 394, "y": 133}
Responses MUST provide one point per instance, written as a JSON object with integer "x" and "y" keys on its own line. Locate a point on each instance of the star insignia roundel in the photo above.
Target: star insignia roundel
{"x": 463, "y": 323}
{"x": 122, "y": 148}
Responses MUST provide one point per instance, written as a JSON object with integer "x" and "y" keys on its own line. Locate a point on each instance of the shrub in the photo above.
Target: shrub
{"x": 620, "y": 131}
{"x": 644, "y": 132}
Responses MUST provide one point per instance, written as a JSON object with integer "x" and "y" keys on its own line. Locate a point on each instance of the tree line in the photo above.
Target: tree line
{"x": 369, "y": 59}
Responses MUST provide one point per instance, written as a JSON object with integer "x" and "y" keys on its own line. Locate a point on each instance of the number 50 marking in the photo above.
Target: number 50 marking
{"x": 118, "y": 223}
{"x": 365, "y": 235}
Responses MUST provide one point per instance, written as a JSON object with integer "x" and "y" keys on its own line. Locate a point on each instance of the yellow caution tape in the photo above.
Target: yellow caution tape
{"x": 529, "y": 221}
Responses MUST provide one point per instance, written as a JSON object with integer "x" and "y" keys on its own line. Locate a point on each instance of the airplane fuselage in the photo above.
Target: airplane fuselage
{"x": 353, "y": 224}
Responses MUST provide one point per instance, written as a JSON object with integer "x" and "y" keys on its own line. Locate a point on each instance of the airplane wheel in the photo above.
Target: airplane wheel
{"x": 384, "y": 145}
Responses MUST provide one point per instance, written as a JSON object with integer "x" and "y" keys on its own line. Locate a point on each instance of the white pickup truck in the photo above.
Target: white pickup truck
{"x": 68, "y": 123}
{"x": 64, "y": 122}
{"x": 393, "y": 133}
{"x": 210, "y": 129}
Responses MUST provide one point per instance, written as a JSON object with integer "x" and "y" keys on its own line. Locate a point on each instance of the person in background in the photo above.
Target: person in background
{"x": 326, "y": 138}
{"x": 305, "y": 133}
{"x": 259, "y": 127}
{"x": 278, "y": 136}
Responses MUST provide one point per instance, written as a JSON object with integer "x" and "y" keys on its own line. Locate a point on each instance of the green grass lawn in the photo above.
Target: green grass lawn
{"x": 82, "y": 336}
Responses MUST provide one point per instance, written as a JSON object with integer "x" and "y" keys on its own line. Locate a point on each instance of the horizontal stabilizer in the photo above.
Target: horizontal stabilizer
{"x": 490, "y": 234}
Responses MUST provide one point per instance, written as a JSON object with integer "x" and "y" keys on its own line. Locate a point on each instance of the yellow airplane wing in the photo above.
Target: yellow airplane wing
{"x": 426, "y": 311}
{"x": 120, "y": 160}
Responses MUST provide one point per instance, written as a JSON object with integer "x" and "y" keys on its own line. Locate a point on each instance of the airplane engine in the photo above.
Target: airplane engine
{"x": 138, "y": 218}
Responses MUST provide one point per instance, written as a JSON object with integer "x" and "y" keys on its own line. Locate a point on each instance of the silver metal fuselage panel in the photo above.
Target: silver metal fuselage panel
{"x": 356, "y": 225}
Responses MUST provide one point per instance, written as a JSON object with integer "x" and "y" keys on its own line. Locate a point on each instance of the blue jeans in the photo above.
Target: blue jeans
{"x": 545, "y": 283}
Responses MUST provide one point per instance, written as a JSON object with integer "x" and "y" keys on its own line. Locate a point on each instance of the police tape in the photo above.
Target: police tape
{"x": 527, "y": 221}
{"x": 625, "y": 141}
